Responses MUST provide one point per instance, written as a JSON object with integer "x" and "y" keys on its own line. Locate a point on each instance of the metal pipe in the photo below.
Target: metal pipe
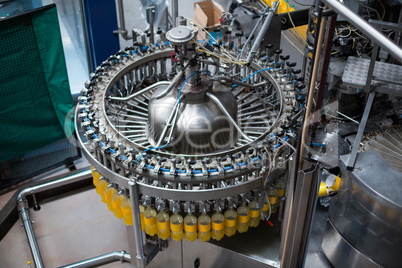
{"x": 171, "y": 85}
{"x": 220, "y": 105}
{"x": 142, "y": 91}
{"x": 366, "y": 28}
{"x": 140, "y": 256}
{"x": 325, "y": 63}
{"x": 101, "y": 260}
{"x": 252, "y": 33}
{"x": 262, "y": 32}
{"x": 175, "y": 12}
{"x": 23, "y": 209}
{"x": 26, "y": 221}
{"x": 151, "y": 23}
{"x": 226, "y": 78}
{"x": 316, "y": 62}
{"x": 122, "y": 23}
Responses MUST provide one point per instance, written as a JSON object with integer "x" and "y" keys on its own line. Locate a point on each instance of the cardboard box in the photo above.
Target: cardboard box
{"x": 207, "y": 13}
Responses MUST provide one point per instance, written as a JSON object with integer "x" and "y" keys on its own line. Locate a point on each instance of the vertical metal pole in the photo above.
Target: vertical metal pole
{"x": 316, "y": 63}
{"x": 175, "y": 11}
{"x": 151, "y": 23}
{"x": 24, "y": 212}
{"x": 367, "y": 88}
{"x": 140, "y": 256}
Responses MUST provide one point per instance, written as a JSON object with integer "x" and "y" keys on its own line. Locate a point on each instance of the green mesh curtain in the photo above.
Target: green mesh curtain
{"x": 34, "y": 91}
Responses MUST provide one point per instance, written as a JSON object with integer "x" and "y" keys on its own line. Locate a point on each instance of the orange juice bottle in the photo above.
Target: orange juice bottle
{"x": 254, "y": 213}
{"x": 243, "y": 218}
{"x": 109, "y": 192}
{"x": 230, "y": 222}
{"x": 190, "y": 227}
{"x": 176, "y": 226}
{"x": 218, "y": 225}
{"x": 126, "y": 210}
{"x": 204, "y": 227}
{"x": 117, "y": 198}
{"x": 150, "y": 220}
{"x": 95, "y": 175}
{"x": 163, "y": 222}
{"x": 265, "y": 208}
{"x": 273, "y": 199}
{"x": 100, "y": 189}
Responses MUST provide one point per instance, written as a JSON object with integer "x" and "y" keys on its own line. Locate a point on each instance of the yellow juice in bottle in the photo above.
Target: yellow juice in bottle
{"x": 190, "y": 227}
{"x": 126, "y": 210}
{"x": 204, "y": 227}
{"x": 150, "y": 220}
{"x": 95, "y": 175}
{"x": 100, "y": 189}
{"x": 243, "y": 218}
{"x": 163, "y": 222}
{"x": 142, "y": 209}
{"x": 109, "y": 192}
{"x": 273, "y": 199}
{"x": 265, "y": 208}
{"x": 218, "y": 226}
{"x": 117, "y": 198}
{"x": 176, "y": 227}
{"x": 254, "y": 213}
{"x": 230, "y": 222}
{"x": 280, "y": 187}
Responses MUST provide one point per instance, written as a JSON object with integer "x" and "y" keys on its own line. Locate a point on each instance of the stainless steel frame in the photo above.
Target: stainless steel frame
{"x": 23, "y": 209}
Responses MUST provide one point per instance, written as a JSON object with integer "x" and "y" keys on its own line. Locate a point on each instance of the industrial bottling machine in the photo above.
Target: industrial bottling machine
{"x": 215, "y": 148}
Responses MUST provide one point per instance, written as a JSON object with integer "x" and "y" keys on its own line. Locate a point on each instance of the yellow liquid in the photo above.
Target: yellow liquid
{"x": 142, "y": 217}
{"x": 229, "y": 231}
{"x": 230, "y": 215}
{"x": 190, "y": 220}
{"x": 242, "y": 227}
{"x": 190, "y": 236}
{"x": 254, "y": 222}
{"x": 101, "y": 189}
{"x": 150, "y": 213}
{"x": 204, "y": 236}
{"x": 177, "y": 236}
{"x": 95, "y": 175}
{"x": 164, "y": 234}
{"x": 151, "y": 229}
{"x": 218, "y": 235}
{"x": 116, "y": 203}
{"x": 109, "y": 192}
{"x": 126, "y": 210}
{"x": 163, "y": 220}
{"x": 176, "y": 222}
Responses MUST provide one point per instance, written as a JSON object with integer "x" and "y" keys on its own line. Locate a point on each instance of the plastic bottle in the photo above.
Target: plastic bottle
{"x": 117, "y": 198}
{"x": 280, "y": 187}
{"x": 126, "y": 210}
{"x": 204, "y": 227}
{"x": 273, "y": 199}
{"x": 243, "y": 218}
{"x": 109, "y": 192}
{"x": 176, "y": 226}
{"x": 162, "y": 222}
{"x": 230, "y": 222}
{"x": 190, "y": 227}
{"x": 95, "y": 175}
{"x": 254, "y": 213}
{"x": 142, "y": 209}
{"x": 150, "y": 220}
{"x": 265, "y": 208}
{"x": 100, "y": 189}
{"x": 218, "y": 225}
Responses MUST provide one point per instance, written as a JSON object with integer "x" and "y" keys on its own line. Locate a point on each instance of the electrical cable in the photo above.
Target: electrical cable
{"x": 294, "y": 26}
